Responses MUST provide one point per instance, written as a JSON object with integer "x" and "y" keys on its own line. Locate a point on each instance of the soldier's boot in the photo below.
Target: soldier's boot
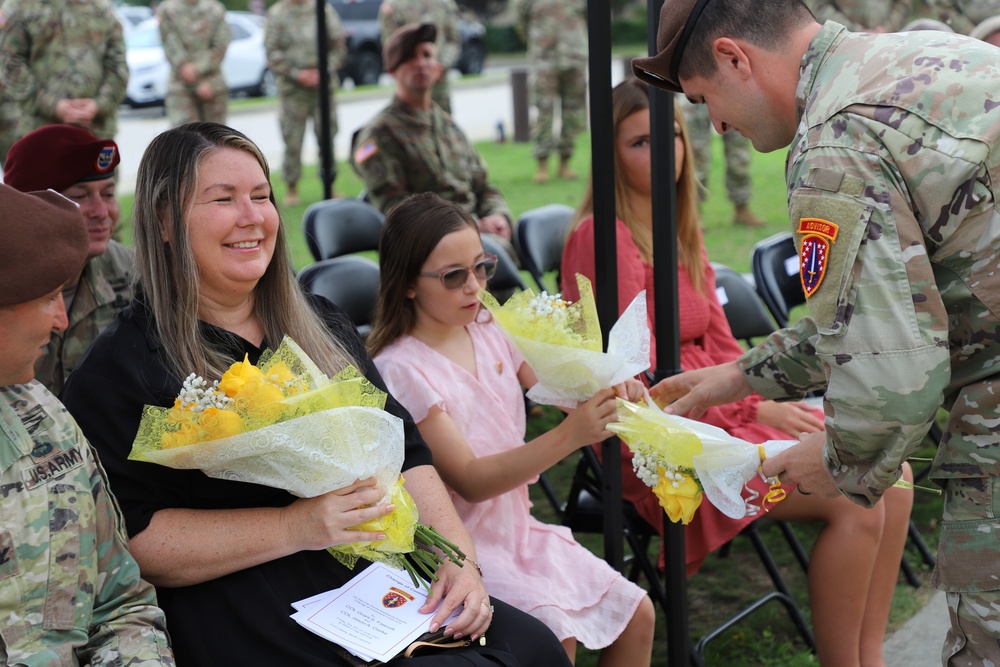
{"x": 292, "y": 195}
{"x": 542, "y": 175}
{"x": 744, "y": 216}
{"x": 565, "y": 171}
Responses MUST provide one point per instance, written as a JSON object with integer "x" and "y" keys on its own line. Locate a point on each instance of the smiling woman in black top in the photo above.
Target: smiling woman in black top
{"x": 229, "y": 558}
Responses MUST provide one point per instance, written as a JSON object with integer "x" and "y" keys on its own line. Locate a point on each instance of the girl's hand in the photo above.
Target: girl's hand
{"x": 631, "y": 390}
{"x": 791, "y": 418}
{"x": 457, "y": 586}
{"x": 324, "y": 521}
{"x": 587, "y": 423}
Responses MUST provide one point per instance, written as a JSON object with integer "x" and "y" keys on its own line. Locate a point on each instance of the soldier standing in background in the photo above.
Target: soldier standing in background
{"x": 963, "y": 15}
{"x": 10, "y": 111}
{"x": 394, "y": 14}
{"x": 556, "y": 34}
{"x": 290, "y": 40}
{"x": 70, "y": 592}
{"x": 63, "y": 61}
{"x": 80, "y": 167}
{"x": 195, "y": 37}
{"x": 737, "y": 148}
{"x": 864, "y": 15}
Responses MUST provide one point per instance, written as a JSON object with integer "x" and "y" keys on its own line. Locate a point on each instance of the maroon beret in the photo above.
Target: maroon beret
{"x": 51, "y": 244}
{"x": 54, "y": 157}
{"x": 401, "y": 44}
{"x": 677, "y": 21}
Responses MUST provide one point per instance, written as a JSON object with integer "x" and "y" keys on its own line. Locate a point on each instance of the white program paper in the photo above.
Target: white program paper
{"x": 374, "y": 615}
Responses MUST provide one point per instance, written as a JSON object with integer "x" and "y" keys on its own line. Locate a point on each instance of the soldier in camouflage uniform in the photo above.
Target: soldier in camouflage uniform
{"x": 79, "y": 166}
{"x": 864, "y": 15}
{"x": 556, "y": 33}
{"x": 62, "y": 61}
{"x": 70, "y": 592}
{"x": 414, "y": 146}
{"x": 737, "y": 150}
{"x": 290, "y": 40}
{"x": 963, "y": 15}
{"x": 195, "y": 37}
{"x": 10, "y": 111}
{"x": 394, "y": 14}
{"x": 893, "y": 180}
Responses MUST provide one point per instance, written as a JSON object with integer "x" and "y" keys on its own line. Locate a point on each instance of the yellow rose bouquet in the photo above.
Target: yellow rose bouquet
{"x": 683, "y": 460}
{"x": 283, "y": 423}
{"x": 562, "y": 342}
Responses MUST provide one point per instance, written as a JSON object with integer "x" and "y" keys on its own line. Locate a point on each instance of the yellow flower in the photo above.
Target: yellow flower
{"x": 281, "y": 375}
{"x": 679, "y": 502}
{"x": 261, "y": 400}
{"x": 217, "y": 423}
{"x": 187, "y": 434}
{"x": 237, "y": 376}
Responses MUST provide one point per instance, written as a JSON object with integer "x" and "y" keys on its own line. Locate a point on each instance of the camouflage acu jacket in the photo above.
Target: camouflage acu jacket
{"x": 892, "y": 179}
{"x": 555, "y": 31}
{"x": 54, "y": 49}
{"x": 70, "y": 592}
{"x": 195, "y": 31}
{"x": 104, "y": 289}
{"x": 290, "y": 39}
{"x": 404, "y": 151}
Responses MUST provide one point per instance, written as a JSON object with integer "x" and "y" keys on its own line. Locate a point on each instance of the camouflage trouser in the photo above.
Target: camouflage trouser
{"x": 441, "y": 92}
{"x": 967, "y": 556}
{"x": 9, "y": 112}
{"x": 570, "y": 87}
{"x": 297, "y": 105}
{"x": 183, "y": 106}
{"x": 736, "y": 146}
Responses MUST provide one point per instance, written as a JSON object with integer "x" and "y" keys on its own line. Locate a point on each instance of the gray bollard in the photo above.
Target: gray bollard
{"x": 627, "y": 68}
{"x": 519, "y": 89}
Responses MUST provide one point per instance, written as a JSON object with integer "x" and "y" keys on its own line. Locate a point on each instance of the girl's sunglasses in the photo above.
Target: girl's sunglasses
{"x": 484, "y": 269}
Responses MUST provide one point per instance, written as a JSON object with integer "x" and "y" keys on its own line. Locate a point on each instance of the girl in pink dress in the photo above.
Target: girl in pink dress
{"x": 855, "y": 561}
{"x": 445, "y": 360}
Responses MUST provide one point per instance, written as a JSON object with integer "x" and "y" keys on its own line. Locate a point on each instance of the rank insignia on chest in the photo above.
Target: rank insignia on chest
{"x": 814, "y": 255}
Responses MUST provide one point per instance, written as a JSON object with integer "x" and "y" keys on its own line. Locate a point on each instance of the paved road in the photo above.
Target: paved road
{"x": 478, "y": 108}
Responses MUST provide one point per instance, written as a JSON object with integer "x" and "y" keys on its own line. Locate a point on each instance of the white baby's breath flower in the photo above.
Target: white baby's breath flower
{"x": 197, "y": 394}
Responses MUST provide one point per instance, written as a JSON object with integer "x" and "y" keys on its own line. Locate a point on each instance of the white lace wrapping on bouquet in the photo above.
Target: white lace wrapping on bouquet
{"x": 568, "y": 376}
{"x": 307, "y": 456}
{"x": 726, "y": 465}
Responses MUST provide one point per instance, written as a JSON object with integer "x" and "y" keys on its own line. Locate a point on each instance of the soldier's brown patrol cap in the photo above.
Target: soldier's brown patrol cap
{"x": 403, "y": 42}
{"x": 677, "y": 21}
{"x": 58, "y": 156}
{"x": 47, "y": 244}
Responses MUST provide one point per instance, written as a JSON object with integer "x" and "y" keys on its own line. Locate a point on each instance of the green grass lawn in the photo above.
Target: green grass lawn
{"x": 723, "y": 585}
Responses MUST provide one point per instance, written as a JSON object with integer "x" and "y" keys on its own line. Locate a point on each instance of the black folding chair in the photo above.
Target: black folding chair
{"x": 336, "y": 227}
{"x": 775, "y": 265}
{"x": 507, "y": 279}
{"x": 540, "y": 235}
{"x": 745, "y": 312}
{"x": 583, "y": 513}
{"x": 350, "y": 282}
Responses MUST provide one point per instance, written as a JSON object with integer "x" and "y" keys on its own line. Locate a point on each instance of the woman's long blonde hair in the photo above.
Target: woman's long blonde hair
{"x": 628, "y": 97}
{"x": 169, "y": 277}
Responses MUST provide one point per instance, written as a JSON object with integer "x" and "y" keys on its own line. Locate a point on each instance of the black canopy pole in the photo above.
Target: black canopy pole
{"x": 602, "y": 147}
{"x": 667, "y": 362}
{"x": 327, "y": 167}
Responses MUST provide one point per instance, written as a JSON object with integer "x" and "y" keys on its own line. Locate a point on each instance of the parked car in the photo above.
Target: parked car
{"x": 364, "y": 42}
{"x": 244, "y": 66}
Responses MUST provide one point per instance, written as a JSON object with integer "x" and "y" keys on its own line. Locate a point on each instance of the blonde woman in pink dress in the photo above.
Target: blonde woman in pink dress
{"x": 451, "y": 367}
